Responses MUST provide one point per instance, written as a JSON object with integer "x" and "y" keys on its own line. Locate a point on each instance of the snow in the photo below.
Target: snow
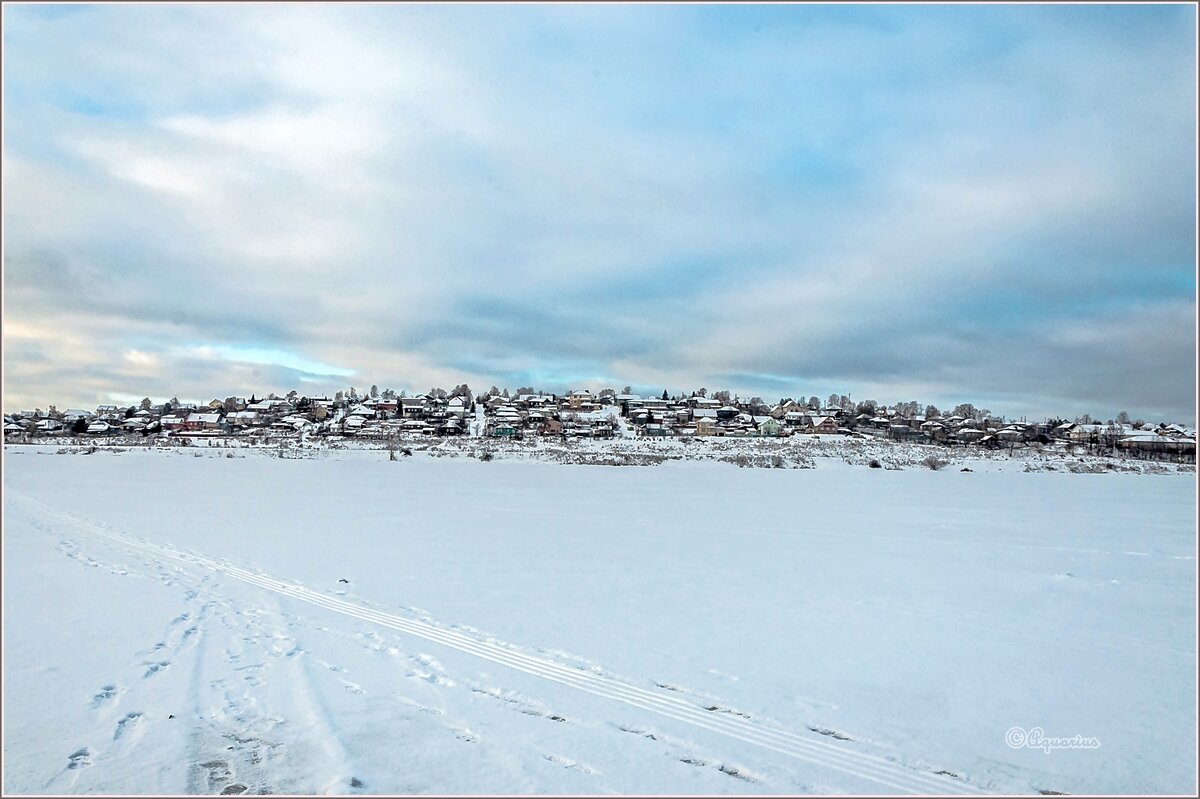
{"x": 518, "y": 626}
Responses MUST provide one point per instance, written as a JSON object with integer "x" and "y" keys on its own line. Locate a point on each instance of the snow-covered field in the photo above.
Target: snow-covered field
{"x": 206, "y": 620}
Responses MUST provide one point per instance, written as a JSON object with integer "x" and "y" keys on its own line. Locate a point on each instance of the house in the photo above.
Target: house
{"x": 1154, "y": 443}
{"x": 936, "y": 431}
{"x": 416, "y": 427}
{"x": 451, "y": 428}
{"x": 581, "y": 399}
{"x": 1011, "y": 434}
{"x": 824, "y": 425}
{"x": 412, "y": 407}
{"x": 172, "y": 423}
{"x": 724, "y": 414}
{"x": 790, "y": 406}
{"x": 362, "y": 411}
{"x": 243, "y": 418}
{"x": 102, "y": 429}
{"x": 706, "y": 426}
{"x": 386, "y": 406}
{"x": 1088, "y": 434}
{"x": 202, "y": 421}
{"x": 768, "y": 425}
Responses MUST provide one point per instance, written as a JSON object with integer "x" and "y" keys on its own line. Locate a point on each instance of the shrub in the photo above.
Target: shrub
{"x": 874, "y": 464}
{"x": 934, "y": 462}
{"x": 486, "y": 455}
{"x": 776, "y": 462}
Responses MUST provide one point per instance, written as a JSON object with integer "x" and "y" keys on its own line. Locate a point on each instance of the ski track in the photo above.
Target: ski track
{"x": 880, "y": 770}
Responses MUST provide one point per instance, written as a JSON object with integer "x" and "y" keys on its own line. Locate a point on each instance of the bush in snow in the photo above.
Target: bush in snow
{"x": 934, "y": 462}
{"x": 874, "y": 464}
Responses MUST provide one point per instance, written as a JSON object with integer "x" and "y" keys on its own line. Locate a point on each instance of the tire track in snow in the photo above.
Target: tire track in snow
{"x": 880, "y": 770}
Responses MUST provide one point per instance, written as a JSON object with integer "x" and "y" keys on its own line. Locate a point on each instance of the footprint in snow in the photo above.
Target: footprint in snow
{"x": 734, "y": 772}
{"x": 155, "y": 668}
{"x": 105, "y": 693}
{"x": 80, "y": 758}
{"x": 831, "y": 733}
{"x": 718, "y": 709}
{"x": 218, "y": 772}
{"x": 130, "y": 721}
{"x": 571, "y": 764}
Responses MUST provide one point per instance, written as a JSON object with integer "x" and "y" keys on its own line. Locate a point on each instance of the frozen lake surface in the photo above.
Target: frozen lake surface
{"x": 186, "y": 622}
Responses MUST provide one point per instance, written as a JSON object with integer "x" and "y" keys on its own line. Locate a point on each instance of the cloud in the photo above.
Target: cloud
{"x": 912, "y": 202}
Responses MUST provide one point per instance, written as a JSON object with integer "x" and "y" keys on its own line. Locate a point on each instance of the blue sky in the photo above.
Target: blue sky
{"x": 986, "y": 204}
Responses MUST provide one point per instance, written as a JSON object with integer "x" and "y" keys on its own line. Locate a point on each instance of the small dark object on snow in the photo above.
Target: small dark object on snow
{"x": 343, "y": 580}
{"x": 964, "y": 469}
{"x": 170, "y": 715}
{"x": 874, "y": 464}
{"x": 355, "y": 782}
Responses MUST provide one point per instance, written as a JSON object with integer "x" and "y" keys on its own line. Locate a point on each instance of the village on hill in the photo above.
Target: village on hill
{"x": 524, "y": 414}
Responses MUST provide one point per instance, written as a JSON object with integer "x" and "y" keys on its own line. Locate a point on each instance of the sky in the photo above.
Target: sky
{"x": 946, "y": 204}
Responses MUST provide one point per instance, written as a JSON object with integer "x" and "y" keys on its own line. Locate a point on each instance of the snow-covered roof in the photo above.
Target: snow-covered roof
{"x": 204, "y": 418}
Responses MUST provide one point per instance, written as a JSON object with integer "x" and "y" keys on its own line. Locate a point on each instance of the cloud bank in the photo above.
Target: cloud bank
{"x": 985, "y": 204}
